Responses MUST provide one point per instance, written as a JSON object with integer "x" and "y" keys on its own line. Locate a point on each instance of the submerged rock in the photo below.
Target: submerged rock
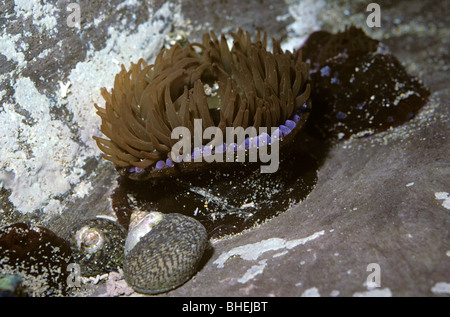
{"x": 357, "y": 85}
{"x": 38, "y": 255}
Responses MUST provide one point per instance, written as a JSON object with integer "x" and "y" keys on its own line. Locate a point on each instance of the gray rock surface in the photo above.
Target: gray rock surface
{"x": 380, "y": 199}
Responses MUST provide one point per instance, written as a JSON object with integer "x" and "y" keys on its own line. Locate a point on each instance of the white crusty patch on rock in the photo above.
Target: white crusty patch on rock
{"x": 253, "y": 271}
{"x": 306, "y": 15}
{"x": 311, "y": 292}
{"x": 8, "y": 48}
{"x": 441, "y": 288}
{"x": 41, "y": 158}
{"x": 377, "y": 292}
{"x": 43, "y": 15}
{"x": 445, "y": 197}
{"x": 252, "y": 251}
{"x": 36, "y": 157}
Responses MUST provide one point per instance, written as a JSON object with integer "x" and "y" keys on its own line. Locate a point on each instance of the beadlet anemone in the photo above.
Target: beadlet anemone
{"x": 246, "y": 86}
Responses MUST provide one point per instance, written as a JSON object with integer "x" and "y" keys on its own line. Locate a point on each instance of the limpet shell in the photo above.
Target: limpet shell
{"x": 167, "y": 255}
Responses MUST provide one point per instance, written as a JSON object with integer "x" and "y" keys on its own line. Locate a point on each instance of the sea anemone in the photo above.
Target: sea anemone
{"x": 242, "y": 87}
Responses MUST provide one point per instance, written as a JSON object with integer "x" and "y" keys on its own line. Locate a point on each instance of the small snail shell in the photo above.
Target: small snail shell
{"x": 89, "y": 238}
{"x": 97, "y": 246}
{"x": 164, "y": 251}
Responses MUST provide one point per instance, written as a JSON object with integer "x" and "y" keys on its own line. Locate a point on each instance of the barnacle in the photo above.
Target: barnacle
{"x": 242, "y": 87}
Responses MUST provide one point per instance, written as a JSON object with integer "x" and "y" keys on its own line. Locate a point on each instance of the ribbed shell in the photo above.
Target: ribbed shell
{"x": 167, "y": 256}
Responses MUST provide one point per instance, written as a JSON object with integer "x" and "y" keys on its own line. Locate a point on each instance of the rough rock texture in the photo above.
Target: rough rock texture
{"x": 380, "y": 199}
